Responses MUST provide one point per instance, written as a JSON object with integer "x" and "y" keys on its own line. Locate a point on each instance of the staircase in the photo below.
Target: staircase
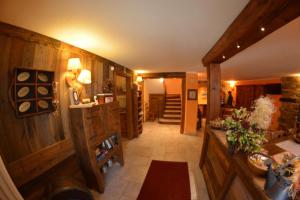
{"x": 172, "y": 111}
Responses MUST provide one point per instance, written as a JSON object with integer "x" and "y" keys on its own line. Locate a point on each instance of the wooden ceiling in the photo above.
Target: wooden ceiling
{"x": 245, "y": 30}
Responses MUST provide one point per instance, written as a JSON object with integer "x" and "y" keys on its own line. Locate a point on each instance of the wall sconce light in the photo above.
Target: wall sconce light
{"x": 232, "y": 84}
{"x": 139, "y": 79}
{"x": 161, "y": 80}
{"x": 74, "y": 66}
{"x": 85, "y": 77}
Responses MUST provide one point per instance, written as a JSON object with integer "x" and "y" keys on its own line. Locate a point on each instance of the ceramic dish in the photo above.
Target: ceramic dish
{"x": 25, "y": 106}
{"x": 23, "y": 76}
{"x": 257, "y": 164}
{"x": 217, "y": 123}
{"x": 43, "y": 104}
{"x": 42, "y": 90}
{"x": 23, "y": 92}
{"x": 297, "y": 138}
{"x": 42, "y": 77}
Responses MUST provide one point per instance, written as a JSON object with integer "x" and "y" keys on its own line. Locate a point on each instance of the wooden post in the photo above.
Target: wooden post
{"x": 8, "y": 190}
{"x": 214, "y": 90}
{"x": 213, "y": 101}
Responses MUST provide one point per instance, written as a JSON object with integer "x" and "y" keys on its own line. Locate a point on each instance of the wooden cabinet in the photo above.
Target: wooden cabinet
{"x": 90, "y": 128}
{"x": 226, "y": 176}
{"x": 237, "y": 191}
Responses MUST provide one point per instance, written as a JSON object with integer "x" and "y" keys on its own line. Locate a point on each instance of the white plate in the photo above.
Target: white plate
{"x": 43, "y": 104}
{"x": 42, "y": 90}
{"x": 42, "y": 77}
{"x": 23, "y": 76}
{"x": 23, "y": 91}
{"x": 24, "y": 106}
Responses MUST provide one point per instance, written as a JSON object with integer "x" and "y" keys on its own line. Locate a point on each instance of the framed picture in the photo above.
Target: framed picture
{"x": 192, "y": 94}
{"x": 74, "y": 97}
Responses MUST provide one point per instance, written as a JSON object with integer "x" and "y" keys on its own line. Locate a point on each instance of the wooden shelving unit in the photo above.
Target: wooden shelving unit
{"x": 92, "y": 128}
{"x": 138, "y": 114}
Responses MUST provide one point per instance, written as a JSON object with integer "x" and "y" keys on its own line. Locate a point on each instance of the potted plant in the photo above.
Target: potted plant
{"x": 245, "y": 130}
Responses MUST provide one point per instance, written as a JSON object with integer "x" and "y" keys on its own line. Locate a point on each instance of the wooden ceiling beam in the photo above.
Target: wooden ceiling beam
{"x": 164, "y": 75}
{"x": 245, "y": 29}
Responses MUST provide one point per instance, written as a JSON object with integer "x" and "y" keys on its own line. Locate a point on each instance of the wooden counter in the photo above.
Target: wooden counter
{"x": 226, "y": 176}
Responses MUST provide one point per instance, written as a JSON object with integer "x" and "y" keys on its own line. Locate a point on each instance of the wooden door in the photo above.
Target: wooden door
{"x": 259, "y": 90}
{"x": 123, "y": 85}
{"x": 247, "y": 94}
{"x": 156, "y": 104}
{"x": 244, "y": 96}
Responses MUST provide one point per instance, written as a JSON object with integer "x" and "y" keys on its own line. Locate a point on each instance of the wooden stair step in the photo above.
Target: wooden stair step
{"x": 169, "y": 121}
{"x": 172, "y": 115}
{"x": 172, "y": 112}
{"x": 173, "y": 107}
{"x": 173, "y": 100}
{"x": 173, "y": 95}
{"x": 173, "y": 104}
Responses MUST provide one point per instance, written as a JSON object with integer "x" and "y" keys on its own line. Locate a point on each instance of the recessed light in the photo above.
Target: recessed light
{"x": 223, "y": 57}
{"x": 262, "y": 29}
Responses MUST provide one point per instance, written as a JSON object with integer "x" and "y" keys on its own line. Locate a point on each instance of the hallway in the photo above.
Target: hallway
{"x": 157, "y": 142}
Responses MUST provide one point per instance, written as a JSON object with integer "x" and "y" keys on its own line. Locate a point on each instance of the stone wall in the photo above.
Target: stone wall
{"x": 290, "y": 108}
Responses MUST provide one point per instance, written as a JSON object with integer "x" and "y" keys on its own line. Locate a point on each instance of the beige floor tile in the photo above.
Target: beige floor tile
{"x": 132, "y": 189}
{"x": 157, "y": 142}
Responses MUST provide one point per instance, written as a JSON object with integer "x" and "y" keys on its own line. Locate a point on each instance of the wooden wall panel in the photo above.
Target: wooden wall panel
{"x": 27, "y": 168}
{"x": 20, "y": 139}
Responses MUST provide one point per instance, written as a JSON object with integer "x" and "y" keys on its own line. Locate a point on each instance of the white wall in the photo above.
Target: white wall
{"x": 154, "y": 86}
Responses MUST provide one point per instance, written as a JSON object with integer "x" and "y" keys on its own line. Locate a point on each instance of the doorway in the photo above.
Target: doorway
{"x": 122, "y": 93}
{"x": 178, "y": 93}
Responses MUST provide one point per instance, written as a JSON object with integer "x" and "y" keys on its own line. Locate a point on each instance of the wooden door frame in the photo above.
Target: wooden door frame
{"x": 183, "y": 87}
{"x": 182, "y": 76}
{"x": 129, "y": 82}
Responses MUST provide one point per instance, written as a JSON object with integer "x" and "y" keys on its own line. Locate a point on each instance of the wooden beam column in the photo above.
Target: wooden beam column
{"x": 213, "y": 102}
{"x": 214, "y": 88}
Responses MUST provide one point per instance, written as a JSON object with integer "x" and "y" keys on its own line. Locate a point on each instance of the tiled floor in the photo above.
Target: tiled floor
{"x": 157, "y": 142}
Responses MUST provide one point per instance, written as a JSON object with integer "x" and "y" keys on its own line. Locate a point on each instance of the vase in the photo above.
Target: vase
{"x": 231, "y": 148}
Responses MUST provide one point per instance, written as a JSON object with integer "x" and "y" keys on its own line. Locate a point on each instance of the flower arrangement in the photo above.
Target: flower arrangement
{"x": 245, "y": 130}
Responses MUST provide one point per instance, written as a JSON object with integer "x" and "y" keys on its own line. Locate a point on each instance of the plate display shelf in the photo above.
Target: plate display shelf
{"x": 32, "y": 92}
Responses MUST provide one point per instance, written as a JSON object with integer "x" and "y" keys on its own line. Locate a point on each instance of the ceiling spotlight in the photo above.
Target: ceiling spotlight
{"x": 262, "y": 29}
{"x": 237, "y": 45}
{"x": 223, "y": 57}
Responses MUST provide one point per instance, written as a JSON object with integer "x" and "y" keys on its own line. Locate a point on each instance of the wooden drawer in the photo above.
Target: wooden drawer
{"x": 210, "y": 177}
{"x": 219, "y": 161}
{"x": 238, "y": 191}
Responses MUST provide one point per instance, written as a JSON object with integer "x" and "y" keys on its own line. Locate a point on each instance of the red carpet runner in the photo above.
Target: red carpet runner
{"x": 166, "y": 181}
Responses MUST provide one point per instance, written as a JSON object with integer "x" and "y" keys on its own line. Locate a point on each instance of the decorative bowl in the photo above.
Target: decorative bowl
{"x": 256, "y": 163}
{"x": 297, "y": 138}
